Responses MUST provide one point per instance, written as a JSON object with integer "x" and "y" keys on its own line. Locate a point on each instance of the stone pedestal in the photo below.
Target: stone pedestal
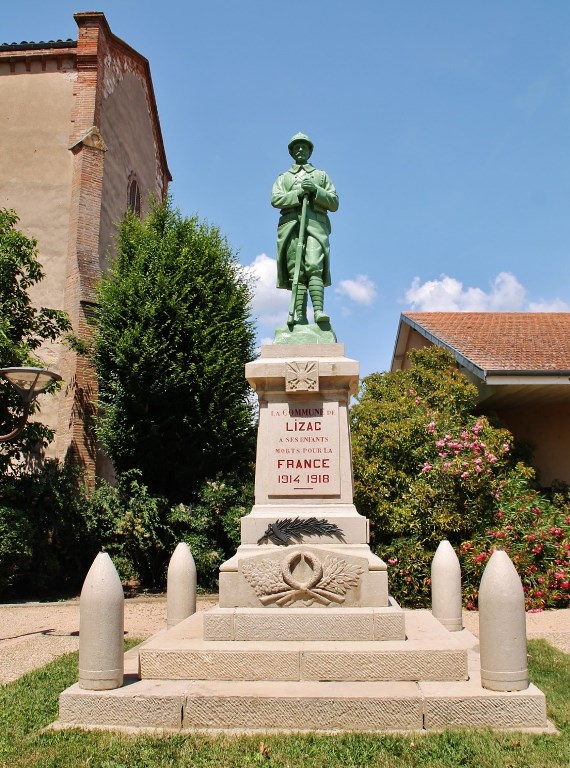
{"x": 304, "y": 543}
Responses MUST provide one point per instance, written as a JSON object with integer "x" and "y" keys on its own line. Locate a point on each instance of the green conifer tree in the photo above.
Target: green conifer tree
{"x": 173, "y": 335}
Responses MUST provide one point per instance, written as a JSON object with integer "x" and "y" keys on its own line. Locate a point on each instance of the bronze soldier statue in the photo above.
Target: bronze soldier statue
{"x": 304, "y": 195}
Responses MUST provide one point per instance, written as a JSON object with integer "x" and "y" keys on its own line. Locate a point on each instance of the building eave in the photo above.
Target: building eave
{"x": 529, "y": 378}
{"x": 463, "y": 361}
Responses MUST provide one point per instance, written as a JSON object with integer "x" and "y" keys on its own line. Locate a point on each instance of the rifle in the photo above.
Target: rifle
{"x": 298, "y": 257}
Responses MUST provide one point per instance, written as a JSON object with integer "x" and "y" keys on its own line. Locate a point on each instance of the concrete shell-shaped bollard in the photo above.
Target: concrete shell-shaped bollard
{"x": 101, "y": 627}
{"x": 181, "y": 586}
{"x": 446, "y": 587}
{"x": 502, "y": 626}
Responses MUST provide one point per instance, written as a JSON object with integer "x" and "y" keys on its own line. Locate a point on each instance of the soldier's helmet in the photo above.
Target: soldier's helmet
{"x": 300, "y": 137}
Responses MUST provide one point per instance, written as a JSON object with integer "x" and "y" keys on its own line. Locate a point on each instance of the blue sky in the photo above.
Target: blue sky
{"x": 444, "y": 125}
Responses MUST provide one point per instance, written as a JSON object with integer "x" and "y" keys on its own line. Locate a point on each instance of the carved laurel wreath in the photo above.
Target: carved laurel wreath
{"x": 284, "y": 531}
{"x": 273, "y": 581}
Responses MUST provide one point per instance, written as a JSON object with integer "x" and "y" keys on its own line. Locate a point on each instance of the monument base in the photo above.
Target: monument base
{"x": 304, "y": 543}
{"x": 182, "y": 681}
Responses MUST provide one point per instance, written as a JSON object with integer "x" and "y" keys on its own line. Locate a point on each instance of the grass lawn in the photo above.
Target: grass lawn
{"x": 30, "y": 703}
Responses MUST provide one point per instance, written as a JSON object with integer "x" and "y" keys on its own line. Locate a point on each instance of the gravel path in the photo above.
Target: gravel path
{"x": 553, "y": 626}
{"x": 32, "y": 634}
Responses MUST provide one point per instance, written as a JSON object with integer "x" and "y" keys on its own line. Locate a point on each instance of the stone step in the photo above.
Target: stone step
{"x": 274, "y": 661}
{"x": 465, "y": 704}
{"x": 326, "y": 706}
{"x": 320, "y": 706}
{"x": 252, "y": 624}
{"x": 293, "y": 704}
{"x": 429, "y": 653}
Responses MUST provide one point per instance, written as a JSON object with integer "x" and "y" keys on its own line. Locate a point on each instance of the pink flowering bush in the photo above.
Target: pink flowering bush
{"x": 427, "y": 468}
{"x": 535, "y": 532}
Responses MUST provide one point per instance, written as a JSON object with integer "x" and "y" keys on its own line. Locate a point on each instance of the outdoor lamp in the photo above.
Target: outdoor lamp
{"x": 29, "y": 383}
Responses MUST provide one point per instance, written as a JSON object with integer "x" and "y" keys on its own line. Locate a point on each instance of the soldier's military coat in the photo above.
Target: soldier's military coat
{"x": 285, "y": 195}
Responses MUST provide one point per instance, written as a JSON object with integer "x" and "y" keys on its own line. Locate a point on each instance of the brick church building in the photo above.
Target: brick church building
{"x": 80, "y": 142}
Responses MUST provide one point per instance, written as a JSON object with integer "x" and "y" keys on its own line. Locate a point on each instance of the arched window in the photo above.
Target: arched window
{"x": 134, "y": 197}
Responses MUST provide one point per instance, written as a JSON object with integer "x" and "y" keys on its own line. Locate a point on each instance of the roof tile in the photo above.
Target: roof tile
{"x": 503, "y": 341}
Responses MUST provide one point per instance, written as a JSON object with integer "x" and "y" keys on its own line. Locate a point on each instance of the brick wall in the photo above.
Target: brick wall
{"x": 102, "y": 61}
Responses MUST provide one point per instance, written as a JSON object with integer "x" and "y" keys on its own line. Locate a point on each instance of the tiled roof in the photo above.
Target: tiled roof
{"x": 41, "y": 46}
{"x": 503, "y": 341}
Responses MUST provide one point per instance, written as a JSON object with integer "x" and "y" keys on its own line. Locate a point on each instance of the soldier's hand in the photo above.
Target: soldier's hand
{"x": 309, "y": 186}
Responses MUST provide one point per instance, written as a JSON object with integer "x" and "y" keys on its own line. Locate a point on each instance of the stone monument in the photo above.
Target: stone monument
{"x": 306, "y": 636}
{"x": 304, "y": 545}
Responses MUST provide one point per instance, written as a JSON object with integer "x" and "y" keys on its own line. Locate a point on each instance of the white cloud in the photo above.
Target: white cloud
{"x": 270, "y": 304}
{"x": 556, "y": 305}
{"x": 361, "y": 291}
{"x": 505, "y": 294}
{"x": 447, "y": 294}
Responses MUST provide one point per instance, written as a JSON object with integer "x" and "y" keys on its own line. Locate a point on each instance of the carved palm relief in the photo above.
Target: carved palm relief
{"x": 286, "y": 530}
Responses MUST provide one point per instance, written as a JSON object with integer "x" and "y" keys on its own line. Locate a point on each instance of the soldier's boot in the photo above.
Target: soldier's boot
{"x": 317, "y": 292}
{"x": 301, "y": 305}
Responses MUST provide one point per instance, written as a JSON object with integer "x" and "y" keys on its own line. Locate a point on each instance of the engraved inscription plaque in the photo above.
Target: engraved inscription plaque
{"x": 304, "y": 449}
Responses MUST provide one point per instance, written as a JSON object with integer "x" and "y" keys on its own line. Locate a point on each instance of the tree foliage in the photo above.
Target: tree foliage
{"x": 428, "y": 468}
{"x": 173, "y": 335}
{"x": 45, "y": 546}
{"x": 42, "y": 535}
{"x": 23, "y": 328}
{"x": 140, "y": 531}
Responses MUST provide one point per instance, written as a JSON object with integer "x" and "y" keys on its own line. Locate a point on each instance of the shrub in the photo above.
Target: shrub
{"x": 213, "y": 524}
{"x": 15, "y": 547}
{"x": 133, "y": 526}
{"x": 141, "y": 530}
{"x": 427, "y": 468}
{"x": 44, "y": 542}
{"x": 534, "y": 531}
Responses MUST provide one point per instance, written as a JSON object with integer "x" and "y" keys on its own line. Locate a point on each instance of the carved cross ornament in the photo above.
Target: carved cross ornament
{"x": 302, "y": 376}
